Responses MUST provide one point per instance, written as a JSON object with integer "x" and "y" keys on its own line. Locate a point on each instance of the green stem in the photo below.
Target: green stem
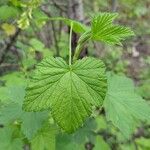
{"x": 70, "y": 47}
{"x": 82, "y": 41}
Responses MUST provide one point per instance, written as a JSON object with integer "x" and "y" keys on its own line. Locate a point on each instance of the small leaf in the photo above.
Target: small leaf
{"x": 24, "y": 21}
{"x": 37, "y": 45}
{"x": 9, "y": 29}
{"x": 104, "y": 30}
{"x": 123, "y": 106}
{"x": 70, "y": 91}
{"x": 8, "y": 12}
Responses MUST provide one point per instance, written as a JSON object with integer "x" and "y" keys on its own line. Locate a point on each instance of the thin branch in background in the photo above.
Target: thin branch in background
{"x": 7, "y": 67}
{"x": 55, "y": 38}
{"x": 113, "y": 5}
{"x": 60, "y": 27}
{"x": 59, "y": 6}
{"x": 54, "y": 30}
{"x": 76, "y": 11}
{"x": 8, "y": 44}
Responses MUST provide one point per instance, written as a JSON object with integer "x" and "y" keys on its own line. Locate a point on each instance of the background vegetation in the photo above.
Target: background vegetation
{"x": 26, "y": 39}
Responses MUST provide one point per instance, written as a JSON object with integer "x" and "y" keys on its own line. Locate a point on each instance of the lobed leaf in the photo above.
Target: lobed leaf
{"x": 123, "y": 106}
{"x": 69, "y": 91}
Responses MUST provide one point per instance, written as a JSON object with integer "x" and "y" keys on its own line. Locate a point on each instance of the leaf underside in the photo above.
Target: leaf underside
{"x": 69, "y": 91}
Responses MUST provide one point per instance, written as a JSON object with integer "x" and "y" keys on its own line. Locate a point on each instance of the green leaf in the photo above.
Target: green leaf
{"x": 77, "y": 26}
{"x": 144, "y": 89}
{"x": 9, "y": 29}
{"x": 44, "y": 139}
{"x": 40, "y": 18}
{"x": 15, "y": 78}
{"x": 3, "y": 94}
{"x": 10, "y": 113}
{"x": 101, "y": 123}
{"x": 8, "y": 141}
{"x": 8, "y": 12}
{"x": 143, "y": 143}
{"x": 16, "y": 94}
{"x": 37, "y": 45}
{"x": 70, "y": 91}
{"x": 85, "y": 133}
{"x": 104, "y": 30}
{"x": 100, "y": 144}
{"x": 66, "y": 142}
{"x": 123, "y": 106}
{"x": 77, "y": 140}
{"x": 32, "y": 122}
{"x": 12, "y": 109}
{"x": 127, "y": 146}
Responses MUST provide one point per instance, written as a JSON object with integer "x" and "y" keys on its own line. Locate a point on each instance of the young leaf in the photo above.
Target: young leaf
{"x": 104, "y": 30}
{"x": 70, "y": 91}
{"x": 123, "y": 106}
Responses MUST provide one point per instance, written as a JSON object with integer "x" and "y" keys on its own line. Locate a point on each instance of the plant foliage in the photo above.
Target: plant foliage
{"x": 123, "y": 106}
{"x": 65, "y": 94}
{"x": 104, "y": 30}
{"x": 60, "y": 87}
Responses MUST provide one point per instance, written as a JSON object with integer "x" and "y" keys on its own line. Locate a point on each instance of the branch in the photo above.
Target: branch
{"x": 54, "y": 30}
{"x": 59, "y": 6}
{"x": 9, "y": 44}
